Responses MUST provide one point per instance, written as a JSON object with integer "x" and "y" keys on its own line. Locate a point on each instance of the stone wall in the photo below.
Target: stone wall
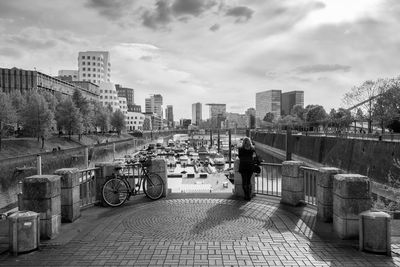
{"x": 378, "y": 160}
{"x": 52, "y": 161}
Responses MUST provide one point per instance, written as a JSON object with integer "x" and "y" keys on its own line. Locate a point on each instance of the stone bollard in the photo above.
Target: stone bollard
{"x": 159, "y": 166}
{"x": 351, "y": 196}
{"x": 324, "y": 193}
{"x": 70, "y": 194}
{"x": 375, "y": 232}
{"x": 102, "y": 172}
{"x": 292, "y": 183}
{"x": 42, "y": 194}
{"x": 238, "y": 182}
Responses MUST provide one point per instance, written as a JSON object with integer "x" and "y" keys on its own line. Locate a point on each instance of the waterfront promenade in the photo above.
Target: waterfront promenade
{"x": 199, "y": 230}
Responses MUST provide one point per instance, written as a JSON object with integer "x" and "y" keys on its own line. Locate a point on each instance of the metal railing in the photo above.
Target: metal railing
{"x": 269, "y": 181}
{"x": 87, "y": 187}
{"x": 309, "y": 184}
{"x": 132, "y": 172}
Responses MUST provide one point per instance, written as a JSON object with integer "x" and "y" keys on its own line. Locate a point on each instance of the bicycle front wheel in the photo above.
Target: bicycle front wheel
{"x": 115, "y": 192}
{"x": 153, "y": 186}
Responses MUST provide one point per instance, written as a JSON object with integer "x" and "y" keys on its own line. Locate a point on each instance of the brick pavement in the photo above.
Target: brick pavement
{"x": 197, "y": 231}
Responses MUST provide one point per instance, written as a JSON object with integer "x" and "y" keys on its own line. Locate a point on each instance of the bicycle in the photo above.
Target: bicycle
{"x": 117, "y": 190}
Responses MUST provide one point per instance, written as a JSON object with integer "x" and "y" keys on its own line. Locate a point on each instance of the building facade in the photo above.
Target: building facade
{"x": 169, "y": 116}
{"x": 251, "y": 118}
{"x": 126, "y": 92}
{"x": 289, "y": 100}
{"x": 196, "y": 113}
{"x": 134, "y": 121}
{"x": 72, "y": 75}
{"x": 268, "y": 101}
{"x": 108, "y": 95}
{"x": 235, "y": 120}
{"x": 122, "y": 105}
{"x": 94, "y": 66}
{"x": 25, "y": 80}
{"x": 217, "y": 114}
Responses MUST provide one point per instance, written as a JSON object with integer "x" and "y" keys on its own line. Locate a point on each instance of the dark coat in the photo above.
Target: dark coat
{"x": 246, "y": 160}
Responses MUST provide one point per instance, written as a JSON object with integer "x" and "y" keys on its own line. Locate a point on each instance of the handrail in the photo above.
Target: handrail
{"x": 309, "y": 184}
{"x": 269, "y": 181}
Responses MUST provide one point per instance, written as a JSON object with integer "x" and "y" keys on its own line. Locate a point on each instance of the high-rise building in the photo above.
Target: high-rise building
{"x": 94, "y": 66}
{"x": 169, "y": 115}
{"x": 251, "y": 118}
{"x": 290, "y": 99}
{"x": 128, "y": 93}
{"x": 268, "y": 101}
{"x": 154, "y": 104}
{"x": 196, "y": 113}
{"x": 148, "y": 108}
{"x": 217, "y": 114}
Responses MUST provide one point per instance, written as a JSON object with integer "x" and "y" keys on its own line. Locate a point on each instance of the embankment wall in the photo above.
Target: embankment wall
{"x": 379, "y": 160}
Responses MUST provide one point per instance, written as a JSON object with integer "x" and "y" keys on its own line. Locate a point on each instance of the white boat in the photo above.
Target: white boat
{"x": 184, "y": 160}
{"x": 171, "y": 161}
{"x": 219, "y": 160}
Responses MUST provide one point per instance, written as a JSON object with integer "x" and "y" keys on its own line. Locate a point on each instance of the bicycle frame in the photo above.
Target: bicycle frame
{"x": 128, "y": 172}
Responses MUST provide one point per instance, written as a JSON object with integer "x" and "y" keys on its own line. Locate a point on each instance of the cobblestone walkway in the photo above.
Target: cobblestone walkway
{"x": 196, "y": 232}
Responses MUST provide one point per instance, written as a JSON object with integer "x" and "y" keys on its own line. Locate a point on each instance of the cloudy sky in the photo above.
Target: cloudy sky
{"x": 211, "y": 51}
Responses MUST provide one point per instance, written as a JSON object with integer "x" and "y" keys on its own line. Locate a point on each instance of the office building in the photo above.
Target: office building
{"x": 153, "y": 104}
{"x": 268, "y": 101}
{"x": 126, "y": 92}
{"x": 169, "y": 116}
{"x": 94, "y": 66}
{"x": 196, "y": 113}
{"x": 108, "y": 95}
{"x": 289, "y": 100}
{"x": 25, "y": 80}
{"x": 68, "y": 75}
{"x": 217, "y": 115}
{"x": 251, "y": 118}
{"x": 134, "y": 121}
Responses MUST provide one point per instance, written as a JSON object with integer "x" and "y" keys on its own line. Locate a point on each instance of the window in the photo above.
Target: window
{"x": 101, "y": 97}
{"x": 88, "y": 75}
{"x": 83, "y": 69}
{"x": 83, "y": 57}
{"x": 83, "y": 62}
{"x": 88, "y": 63}
{"x": 88, "y": 69}
{"x": 93, "y": 57}
{"x": 84, "y": 74}
{"x": 98, "y": 64}
{"x": 106, "y": 97}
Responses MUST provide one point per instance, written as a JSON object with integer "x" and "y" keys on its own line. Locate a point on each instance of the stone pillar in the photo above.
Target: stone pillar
{"x": 103, "y": 171}
{"x": 70, "y": 194}
{"x": 159, "y": 166}
{"x": 375, "y": 232}
{"x": 292, "y": 183}
{"x": 238, "y": 182}
{"x": 42, "y": 194}
{"x": 351, "y": 196}
{"x": 324, "y": 193}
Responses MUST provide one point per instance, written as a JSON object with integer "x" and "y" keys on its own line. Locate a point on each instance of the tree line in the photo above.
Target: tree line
{"x": 376, "y": 102}
{"x": 40, "y": 113}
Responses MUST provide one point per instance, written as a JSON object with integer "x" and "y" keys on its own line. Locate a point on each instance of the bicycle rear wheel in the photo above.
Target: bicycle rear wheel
{"x": 115, "y": 192}
{"x": 153, "y": 186}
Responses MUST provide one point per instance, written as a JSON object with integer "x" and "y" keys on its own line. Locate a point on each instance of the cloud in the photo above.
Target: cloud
{"x": 113, "y": 10}
{"x": 10, "y": 52}
{"x": 322, "y": 68}
{"x": 146, "y": 58}
{"x": 242, "y": 13}
{"x": 191, "y": 7}
{"x": 160, "y": 17}
{"x": 214, "y": 27}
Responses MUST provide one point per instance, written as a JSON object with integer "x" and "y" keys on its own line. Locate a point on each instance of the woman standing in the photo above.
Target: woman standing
{"x": 247, "y": 156}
